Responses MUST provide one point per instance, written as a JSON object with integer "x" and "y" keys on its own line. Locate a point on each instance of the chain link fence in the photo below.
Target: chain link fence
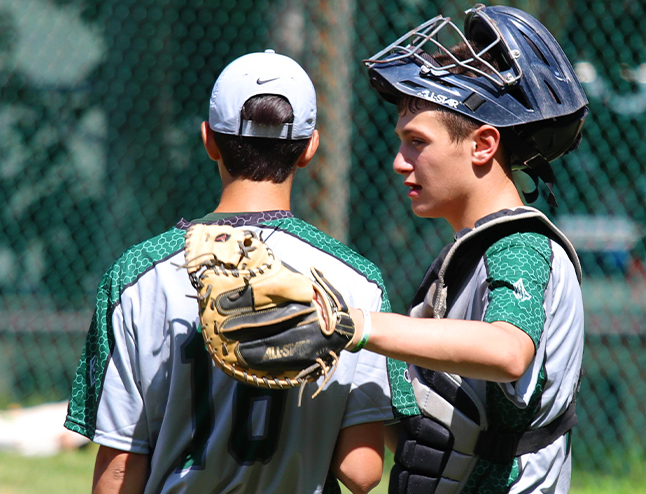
{"x": 100, "y": 107}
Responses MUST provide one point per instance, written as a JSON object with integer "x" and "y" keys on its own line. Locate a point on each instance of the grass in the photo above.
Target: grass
{"x": 606, "y": 484}
{"x": 71, "y": 473}
{"x": 587, "y": 482}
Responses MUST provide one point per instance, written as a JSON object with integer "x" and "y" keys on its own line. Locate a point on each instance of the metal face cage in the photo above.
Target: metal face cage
{"x": 410, "y": 46}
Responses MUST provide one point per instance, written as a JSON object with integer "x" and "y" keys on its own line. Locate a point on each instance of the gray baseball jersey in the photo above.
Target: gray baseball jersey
{"x": 528, "y": 280}
{"x": 146, "y": 384}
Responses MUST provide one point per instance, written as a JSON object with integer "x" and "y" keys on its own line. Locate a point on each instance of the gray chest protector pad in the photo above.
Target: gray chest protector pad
{"x": 439, "y": 449}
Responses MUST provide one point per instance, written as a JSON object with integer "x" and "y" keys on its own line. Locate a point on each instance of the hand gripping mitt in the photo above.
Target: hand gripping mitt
{"x": 260, "y": 318}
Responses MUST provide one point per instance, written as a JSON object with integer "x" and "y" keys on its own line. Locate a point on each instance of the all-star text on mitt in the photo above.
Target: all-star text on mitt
{"x": 264, "y": 323}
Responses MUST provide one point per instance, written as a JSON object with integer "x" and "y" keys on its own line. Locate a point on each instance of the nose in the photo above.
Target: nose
{"x": 401, "y": 165}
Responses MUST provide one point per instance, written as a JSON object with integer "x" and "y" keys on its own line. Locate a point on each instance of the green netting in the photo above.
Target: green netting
{"x": 100, "y": 107}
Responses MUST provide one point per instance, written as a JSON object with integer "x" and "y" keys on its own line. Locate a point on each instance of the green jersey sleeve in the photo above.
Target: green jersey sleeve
{"x": 518, "y": 271}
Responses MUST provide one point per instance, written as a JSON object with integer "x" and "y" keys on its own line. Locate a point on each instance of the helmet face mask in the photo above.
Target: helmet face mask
{"x": 411, "y": 46}
{"x": 514, "y": 77}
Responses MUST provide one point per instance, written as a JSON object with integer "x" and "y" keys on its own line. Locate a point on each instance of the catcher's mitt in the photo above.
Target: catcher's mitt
{"x": 259, "y": 317}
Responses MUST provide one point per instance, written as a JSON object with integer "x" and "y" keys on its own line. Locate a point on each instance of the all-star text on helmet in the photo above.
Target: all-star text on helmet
{"x": 531, "y": 94}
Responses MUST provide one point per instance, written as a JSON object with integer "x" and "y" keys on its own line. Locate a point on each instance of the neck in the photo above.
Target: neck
{"x": 243, "y": 195}
{"x": 487, "y": 201}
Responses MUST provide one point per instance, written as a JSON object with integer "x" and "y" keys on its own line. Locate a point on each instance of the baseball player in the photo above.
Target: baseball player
{"x": 146, "y": 389}
{"x": 494, "y": 338}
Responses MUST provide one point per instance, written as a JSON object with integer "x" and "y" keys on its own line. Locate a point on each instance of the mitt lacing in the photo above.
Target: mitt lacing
{"x": 321, "y": 366}
{"x": 211, "y": 266}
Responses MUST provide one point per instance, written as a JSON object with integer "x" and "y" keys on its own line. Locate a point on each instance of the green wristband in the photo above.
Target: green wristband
{"x": 367, "y": 326}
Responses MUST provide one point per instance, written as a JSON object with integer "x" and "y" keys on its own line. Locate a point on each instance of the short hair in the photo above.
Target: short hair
{"x": 458, "y": 126}
{"x": 260, "y": 158}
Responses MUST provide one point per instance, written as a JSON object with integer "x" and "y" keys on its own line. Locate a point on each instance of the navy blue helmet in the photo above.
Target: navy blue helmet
{"x": 531, "y": 93}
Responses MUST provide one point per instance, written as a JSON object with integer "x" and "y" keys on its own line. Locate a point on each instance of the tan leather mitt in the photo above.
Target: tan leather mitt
{"x": 259, "y": 318}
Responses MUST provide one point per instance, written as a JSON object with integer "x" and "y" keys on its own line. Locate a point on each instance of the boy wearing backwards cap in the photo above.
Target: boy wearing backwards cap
{"x": 147, "y": 390}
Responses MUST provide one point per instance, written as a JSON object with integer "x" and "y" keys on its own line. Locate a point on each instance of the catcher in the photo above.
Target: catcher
{"x": 147, "y": 389}
{"x": 494, "y": 337}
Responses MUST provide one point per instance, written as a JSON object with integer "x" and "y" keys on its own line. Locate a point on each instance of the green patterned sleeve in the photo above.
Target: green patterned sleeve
{"x": 518, "y": 271}
{"x": 401, "y": 390}
{"x": 86, "y": 388}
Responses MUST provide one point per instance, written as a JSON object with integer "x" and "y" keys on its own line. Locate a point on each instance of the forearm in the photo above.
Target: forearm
{"x": 495, "y": 352}
{"x": 119, "y": 472}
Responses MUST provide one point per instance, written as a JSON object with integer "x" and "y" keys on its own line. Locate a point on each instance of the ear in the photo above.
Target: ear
{"x": 310, "y": 150}
{"x": 486, "y": 141}
{"x": 209, "y": 143}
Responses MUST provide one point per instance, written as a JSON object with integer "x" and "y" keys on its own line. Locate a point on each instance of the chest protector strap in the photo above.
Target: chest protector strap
{"x": 438, "y": 450}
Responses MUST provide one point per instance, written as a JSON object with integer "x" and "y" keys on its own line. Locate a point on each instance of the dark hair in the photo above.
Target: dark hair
{"x": 259, "y": 158}
{"x": 458, "y": 126}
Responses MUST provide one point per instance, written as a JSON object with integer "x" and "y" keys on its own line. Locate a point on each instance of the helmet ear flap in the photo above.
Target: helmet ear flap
{"x": 579, "y": 136}
{"x": 575, "y": 144}
{"x": 550, "y": 141}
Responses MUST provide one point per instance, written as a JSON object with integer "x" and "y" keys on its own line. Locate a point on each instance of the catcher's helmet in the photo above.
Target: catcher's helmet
{"x": 533, "y": 96}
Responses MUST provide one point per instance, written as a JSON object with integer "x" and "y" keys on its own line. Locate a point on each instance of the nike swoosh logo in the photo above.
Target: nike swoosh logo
{"x": 259, "y": 82}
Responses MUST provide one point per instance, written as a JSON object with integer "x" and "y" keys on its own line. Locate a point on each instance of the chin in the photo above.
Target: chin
{"x": 430, "y": 211}
{"x": 423, "y": 212}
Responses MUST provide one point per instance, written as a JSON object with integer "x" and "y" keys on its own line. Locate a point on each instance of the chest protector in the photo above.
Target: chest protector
{"x": 439, "y": 449}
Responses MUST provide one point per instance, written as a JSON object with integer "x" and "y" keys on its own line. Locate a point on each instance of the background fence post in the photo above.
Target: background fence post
{"x": 332, "y": 43}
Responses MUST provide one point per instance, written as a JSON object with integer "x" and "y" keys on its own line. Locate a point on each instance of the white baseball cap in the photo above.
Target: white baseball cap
{"x": 263, "y": 73}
